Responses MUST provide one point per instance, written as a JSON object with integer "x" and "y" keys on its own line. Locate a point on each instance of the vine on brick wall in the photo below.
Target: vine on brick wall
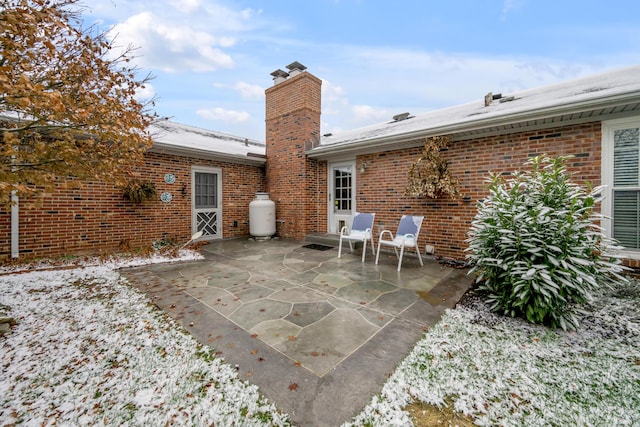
{"x": 429, "y": 175}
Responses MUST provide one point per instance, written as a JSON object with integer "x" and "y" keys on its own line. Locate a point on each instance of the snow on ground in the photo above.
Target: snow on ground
{"x": 507, "y": 372}
{"x": 89, "y": 349}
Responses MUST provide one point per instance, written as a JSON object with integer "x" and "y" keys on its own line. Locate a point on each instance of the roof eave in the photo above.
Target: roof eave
{"x": 248, "y": 159}
{"x": 414, "y": 138}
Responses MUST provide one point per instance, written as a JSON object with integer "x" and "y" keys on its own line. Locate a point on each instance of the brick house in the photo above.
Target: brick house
{"x": 318, "y": 181}
{"x": 205, "y": 180}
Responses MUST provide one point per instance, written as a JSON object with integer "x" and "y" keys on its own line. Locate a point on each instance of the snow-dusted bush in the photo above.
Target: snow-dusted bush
{"x": 536, "y": 247}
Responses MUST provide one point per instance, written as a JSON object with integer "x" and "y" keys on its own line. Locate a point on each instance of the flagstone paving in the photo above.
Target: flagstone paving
{"x": 318, "y": 334}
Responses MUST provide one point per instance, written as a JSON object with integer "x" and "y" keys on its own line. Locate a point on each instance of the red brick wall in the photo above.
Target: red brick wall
{"x": 293, "y": 122}
{"x": 381, "y": 186}
{"x": 97, "y": 219}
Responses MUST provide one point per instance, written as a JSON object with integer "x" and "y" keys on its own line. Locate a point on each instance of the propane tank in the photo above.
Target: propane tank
{"x": 262, "y": 216}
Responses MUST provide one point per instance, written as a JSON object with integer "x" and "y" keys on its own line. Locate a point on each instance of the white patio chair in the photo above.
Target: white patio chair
{"x": 406, "y": 237}
{"x": 360, "y": 232}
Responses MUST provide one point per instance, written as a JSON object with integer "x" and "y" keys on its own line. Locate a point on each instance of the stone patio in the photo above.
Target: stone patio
{"x": 318, "y": 334}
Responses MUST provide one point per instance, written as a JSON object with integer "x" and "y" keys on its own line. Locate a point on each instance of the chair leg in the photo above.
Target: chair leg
{"x": 372, "y": 247}
{"x": 340, "y": 248}
{"x": 364, "y": 249}
{"x": 350, "y": 246}
{"x": 419, "y": 257}
{"x": 400, "y": 260}
{"x": 378, "y": 253}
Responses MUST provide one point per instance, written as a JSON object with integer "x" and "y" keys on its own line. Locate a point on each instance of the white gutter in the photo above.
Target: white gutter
{"x": 474, "y": 125}
{"x": 15, "y": 226}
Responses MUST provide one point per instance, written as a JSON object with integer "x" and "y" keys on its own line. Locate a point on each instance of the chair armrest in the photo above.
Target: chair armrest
{"x": 409, "y": 236}
{"x": 344, "y": 231}
{"x": 385, "y": 231}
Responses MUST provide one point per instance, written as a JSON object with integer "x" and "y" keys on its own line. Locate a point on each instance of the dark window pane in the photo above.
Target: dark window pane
{"x": 626, "y": 205}
{"x": 625, "y": 157}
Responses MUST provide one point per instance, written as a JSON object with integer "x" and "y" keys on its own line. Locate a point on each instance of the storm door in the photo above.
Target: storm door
{"x": 341, "y": 195}
{"x": 207, "y": 202}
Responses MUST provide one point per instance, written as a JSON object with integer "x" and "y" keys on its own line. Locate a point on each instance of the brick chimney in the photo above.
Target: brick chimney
{"x": 292, "y": 124}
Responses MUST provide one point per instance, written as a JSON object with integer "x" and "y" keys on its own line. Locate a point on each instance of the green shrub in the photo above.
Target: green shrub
{"x": 536, "y": 247}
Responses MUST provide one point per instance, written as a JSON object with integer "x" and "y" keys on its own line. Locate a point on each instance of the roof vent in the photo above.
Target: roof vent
{"x": 295, "y": 68}
{"x": 490, "y": 97}
{"x": 279, "y": 76}
{"x": 401, "y": 117}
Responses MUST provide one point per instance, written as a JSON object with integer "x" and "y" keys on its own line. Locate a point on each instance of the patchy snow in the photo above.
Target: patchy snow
{"x": 112, "y": 261}
{"x": 549, "y": 99}
{"x": 166, "y": 133}
{"x": 89, "y": 349}
{"x": 505, "y": 371}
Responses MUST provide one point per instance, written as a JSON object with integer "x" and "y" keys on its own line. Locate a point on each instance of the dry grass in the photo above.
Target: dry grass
{"x": 424, "y": 415}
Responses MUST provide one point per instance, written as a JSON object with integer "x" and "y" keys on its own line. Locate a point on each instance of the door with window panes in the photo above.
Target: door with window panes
{"x": 207, "y": 200}
{"x": 341, "y": 195}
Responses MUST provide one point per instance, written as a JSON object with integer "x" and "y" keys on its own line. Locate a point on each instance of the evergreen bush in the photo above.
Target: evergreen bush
{"x": 536, "y": 245}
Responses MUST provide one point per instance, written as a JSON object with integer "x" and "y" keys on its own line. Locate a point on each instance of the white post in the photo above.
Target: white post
{"x": 15, "y": 226}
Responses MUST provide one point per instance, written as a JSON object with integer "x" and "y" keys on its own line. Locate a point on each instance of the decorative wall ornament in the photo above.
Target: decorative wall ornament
{"x": 166, "y": 197}
{"x": 429, "y": 175}
{"x": 169, "y": 178}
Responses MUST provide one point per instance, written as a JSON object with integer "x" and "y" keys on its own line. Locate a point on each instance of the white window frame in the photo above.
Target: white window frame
{"x": 608, "y": 129}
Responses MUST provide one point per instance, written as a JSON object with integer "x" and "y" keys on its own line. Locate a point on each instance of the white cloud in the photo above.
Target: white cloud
{"x": 170, "y": 47}
{"x": 223, "y": 115}
{"x": 246, "y": 90}
{"x": 331, "y": 92}
{"x": 185, "y": 5}
{"x": 146, "y": 92}
{"x": 366, "y": 113}
{"x": 249, "y": 91}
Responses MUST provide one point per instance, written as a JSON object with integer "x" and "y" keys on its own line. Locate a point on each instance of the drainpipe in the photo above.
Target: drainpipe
{"x": 15, "y": 226}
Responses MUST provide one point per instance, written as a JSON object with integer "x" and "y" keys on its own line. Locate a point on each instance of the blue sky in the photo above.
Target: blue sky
{"x": 212, "y": 59}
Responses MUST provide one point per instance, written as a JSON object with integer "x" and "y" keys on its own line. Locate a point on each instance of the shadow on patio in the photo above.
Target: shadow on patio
{"x": 319, "y": 335}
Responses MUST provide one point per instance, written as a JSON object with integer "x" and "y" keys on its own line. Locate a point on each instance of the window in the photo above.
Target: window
{"x": 621, "y": 177}
{"x": 206, "y": 190}
{"x": 342, "y": 188}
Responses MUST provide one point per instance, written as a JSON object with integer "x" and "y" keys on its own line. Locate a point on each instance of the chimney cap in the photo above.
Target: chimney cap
{"x": 280, "y": 73}
{"x": 296, "y": 66}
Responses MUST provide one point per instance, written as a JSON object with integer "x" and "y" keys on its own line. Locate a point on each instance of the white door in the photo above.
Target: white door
{"x": 341, "y": 195}
{"x": 207, "y": 202}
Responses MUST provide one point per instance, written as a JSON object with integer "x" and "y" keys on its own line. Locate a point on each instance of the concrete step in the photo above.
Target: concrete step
{"x": 323, "y": 239}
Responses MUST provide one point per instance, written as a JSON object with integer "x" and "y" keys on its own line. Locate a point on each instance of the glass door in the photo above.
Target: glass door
{"x": 341, "y": 195}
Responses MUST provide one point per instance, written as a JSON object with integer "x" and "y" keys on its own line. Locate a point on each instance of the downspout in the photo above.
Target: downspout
{"x": 15, "y": 226}
{"x": 15, "y": 219}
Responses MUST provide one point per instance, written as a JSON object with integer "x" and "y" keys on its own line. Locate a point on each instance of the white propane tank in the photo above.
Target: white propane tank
{"x": 262, "y": 216}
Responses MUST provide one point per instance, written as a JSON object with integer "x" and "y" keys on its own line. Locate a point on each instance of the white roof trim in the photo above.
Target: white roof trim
{"x": 601, "y": 94}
